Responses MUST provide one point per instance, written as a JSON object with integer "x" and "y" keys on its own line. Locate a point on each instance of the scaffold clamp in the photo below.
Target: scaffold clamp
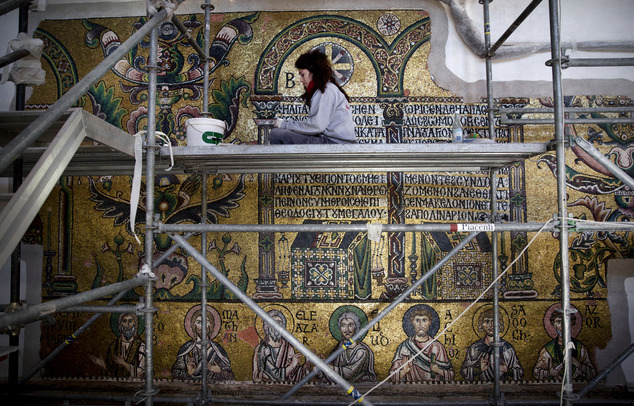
{"x": 355, "y": 394}
{"x": 145, "y": 271}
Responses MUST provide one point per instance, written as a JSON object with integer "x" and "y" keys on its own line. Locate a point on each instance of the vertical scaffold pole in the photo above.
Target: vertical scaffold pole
{"x": 150, "y": 142}
{"x": 493, "y": 200}
{"x": 555, "y": 47}
{"x": 207, "y": 7}
{"x": 489, "y": 67}
{"x": 203, "y": 197}
{"x": 203, "y": 285}
{"x": 496, "y": 290}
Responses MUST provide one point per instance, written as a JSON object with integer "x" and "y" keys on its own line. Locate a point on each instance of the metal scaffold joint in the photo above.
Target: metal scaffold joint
{"x": 141, "y": 308}
{"x": 13, "y": 330}
{"x": 563, "y": 61}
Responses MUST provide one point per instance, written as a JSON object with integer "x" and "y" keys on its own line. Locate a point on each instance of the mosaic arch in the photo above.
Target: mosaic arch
{"x": 389, "y": 60}
{"x": 60, "y": 61}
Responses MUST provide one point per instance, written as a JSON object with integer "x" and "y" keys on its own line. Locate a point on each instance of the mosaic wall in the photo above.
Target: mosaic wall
{"x": 322, "y": 286}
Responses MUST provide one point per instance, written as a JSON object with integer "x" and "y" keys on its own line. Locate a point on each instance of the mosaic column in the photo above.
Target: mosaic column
{"x": 64, "y": 282}
{"x": 519, "y": 282}
{"x": 396, "y": 281}
{"x": 266, "y": 284}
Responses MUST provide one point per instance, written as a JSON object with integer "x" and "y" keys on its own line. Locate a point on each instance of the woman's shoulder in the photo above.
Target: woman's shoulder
{"x": 332, "y": 89}
{"x": 331, "y": 86}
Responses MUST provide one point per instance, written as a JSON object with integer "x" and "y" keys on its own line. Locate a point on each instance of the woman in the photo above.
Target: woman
{"x": 329, "y": 119}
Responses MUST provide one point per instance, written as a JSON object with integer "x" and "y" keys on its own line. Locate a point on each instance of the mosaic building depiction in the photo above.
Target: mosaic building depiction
{"x": 322, "y": 286}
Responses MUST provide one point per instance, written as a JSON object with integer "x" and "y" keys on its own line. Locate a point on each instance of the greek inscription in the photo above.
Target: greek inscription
{"x": 230, "y": 315}
{"x": 292, "y": 109}
{"x": 518, "y": 310}
{"x": 518, "y": 323}
{"x": 306, "y": 328}
{"x": 331, "y": 196}
{"x": 306, "y": 315}
{"x": 367, "y": 134}
{"x": 230, "y": 325}
{"x": 445, "y": 109}
{"x": 330, "y": 178}
{"x": 453, "y": 352}
{"x": 593, "y": 322}
{"x": 366, "y": 120}
{"x": 457, "y": 198}
{"x": 380, "y": 340}
{"x": 332, "y": 213}
{"x": 590, "y": 309}
{"x": 330, "y": 190}
{"x": 365, "y": 108}
{"x": 290, "y": 80}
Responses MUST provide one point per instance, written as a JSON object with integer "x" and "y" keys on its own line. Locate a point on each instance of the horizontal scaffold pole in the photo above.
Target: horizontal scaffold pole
{"x": 592, "y": 62}
{"x": 574, "y": 110}
{"x": 190, "y": 39}
{"x": 358, "y": 227}
{"x": 13, "y": 56}
{"x": 31, "y": 133}
{"x": 120, "y": 309}
{"x": 548, "y": 121}
{"x": 610, "y": 226}
{"x": 39, "y": 311}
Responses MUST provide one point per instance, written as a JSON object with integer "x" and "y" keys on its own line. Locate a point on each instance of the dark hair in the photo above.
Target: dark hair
{"x": 488, "y": 314}
{"x": 421, "y": 312}
{"x": 558, "y": 314}
{"x": 319, "y": 65}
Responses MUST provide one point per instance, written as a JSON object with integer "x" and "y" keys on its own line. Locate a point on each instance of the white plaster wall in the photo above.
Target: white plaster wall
{"x": 620, "y": 273}
{"x": 581, "y": 20}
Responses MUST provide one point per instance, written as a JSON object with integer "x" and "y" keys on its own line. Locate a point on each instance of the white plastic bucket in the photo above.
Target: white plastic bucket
{"x": 204, "y": 131}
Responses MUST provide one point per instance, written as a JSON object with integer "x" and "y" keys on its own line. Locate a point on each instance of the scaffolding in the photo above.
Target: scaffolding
{"x": 73, "y": 126}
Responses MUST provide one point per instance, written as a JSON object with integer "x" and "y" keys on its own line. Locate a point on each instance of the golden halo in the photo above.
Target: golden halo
{"x": 503, "y": 315}
{"x": 215, "y": 317}
{"x": 575, "y": 329}
{"x": 290, "y": 321}
{"x": 334, "y": 317}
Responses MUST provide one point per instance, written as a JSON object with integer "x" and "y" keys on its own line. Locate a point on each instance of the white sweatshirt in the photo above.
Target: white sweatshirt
{"x": 329, "y": 114}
